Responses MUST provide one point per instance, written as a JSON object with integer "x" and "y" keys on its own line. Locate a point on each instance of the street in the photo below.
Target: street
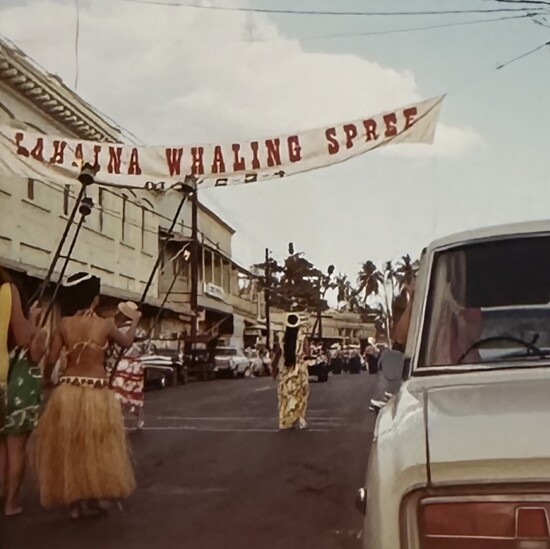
{"x": 213, "y": 471}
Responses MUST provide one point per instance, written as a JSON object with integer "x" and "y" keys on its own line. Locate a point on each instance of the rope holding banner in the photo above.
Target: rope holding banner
{"x": 47, "y": 279}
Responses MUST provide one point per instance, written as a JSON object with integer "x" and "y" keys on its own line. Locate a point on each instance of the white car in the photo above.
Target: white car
{"x": 461, "y": 454}
{"x": 233, "y": 362}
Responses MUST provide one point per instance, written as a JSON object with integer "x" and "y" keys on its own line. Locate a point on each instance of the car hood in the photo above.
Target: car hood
{"x": 493, "y": 426}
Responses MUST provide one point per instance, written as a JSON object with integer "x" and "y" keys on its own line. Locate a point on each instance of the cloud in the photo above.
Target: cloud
{"x": 181, "y": 76}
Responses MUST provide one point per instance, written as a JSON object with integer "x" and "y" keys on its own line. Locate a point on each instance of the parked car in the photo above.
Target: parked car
{"x": 162, "y": 370}
{"x": 460, "y": 456}
{"x": 232, "y": 362}
{"x": 199, "y": 357}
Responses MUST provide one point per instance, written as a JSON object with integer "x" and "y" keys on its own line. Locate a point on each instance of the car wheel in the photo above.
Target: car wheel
{"x": 162, "y": 382}
{"x": 247, "y": 372}
{"x": 323, "y": 378}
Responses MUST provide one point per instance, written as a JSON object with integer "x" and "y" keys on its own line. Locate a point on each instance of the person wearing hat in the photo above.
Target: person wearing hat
{"x": 128, "y": 380}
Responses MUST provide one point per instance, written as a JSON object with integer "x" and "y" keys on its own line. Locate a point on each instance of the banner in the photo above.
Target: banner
{"x": 44, "y": 157}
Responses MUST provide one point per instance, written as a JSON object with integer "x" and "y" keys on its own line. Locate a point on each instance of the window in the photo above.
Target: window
{"x": 30, "y": 189}
{"x": 123, "y": 217}
{"x": 489, "y": 303}
{"x": 66, "y": 197}
{"x": 100, "y": 208}
{"x": 143, "y": 220}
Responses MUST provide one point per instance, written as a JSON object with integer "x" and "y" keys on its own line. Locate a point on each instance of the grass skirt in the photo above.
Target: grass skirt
{"x": 81, "y": 449}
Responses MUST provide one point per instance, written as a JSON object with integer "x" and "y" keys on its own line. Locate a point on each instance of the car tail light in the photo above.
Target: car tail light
{"x": 484, "y": 524}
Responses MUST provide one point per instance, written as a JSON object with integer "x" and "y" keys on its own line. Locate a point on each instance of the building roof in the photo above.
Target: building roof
{"x": 48, "y": 93}
{"x": 216, "y": 217}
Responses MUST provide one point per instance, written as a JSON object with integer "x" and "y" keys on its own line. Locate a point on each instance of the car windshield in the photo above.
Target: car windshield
{"x": 226, "y": 352}
{"x": 489, "y": 303}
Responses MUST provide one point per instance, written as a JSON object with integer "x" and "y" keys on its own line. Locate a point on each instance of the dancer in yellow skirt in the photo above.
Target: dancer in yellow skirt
{"x": 82, "y": 458}
{"x": 293, "y": 389}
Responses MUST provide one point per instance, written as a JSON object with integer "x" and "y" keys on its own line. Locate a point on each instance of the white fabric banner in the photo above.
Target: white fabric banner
{"x": 32, "y": 155}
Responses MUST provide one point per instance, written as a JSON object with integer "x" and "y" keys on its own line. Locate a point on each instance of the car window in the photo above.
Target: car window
{"x": 488, "y": 302}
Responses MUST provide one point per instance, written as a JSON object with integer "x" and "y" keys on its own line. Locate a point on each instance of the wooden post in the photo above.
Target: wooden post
{"x": 195, "y": 263}
{"x": 267, "y": 299}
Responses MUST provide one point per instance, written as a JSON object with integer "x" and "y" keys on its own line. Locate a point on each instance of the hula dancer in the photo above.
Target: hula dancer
{"x": 293, "y": 387}
{"x": 82, "y": 458}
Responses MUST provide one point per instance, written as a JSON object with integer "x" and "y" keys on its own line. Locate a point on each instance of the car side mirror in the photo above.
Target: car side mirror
{"x": 392, "y": 364}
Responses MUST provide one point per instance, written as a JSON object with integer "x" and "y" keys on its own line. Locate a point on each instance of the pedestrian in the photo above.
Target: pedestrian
{"x": 81, "y": 452}
{"x": 276, "y": 354}
{"x": 20, "y": 386}
{"x": 128, "y": 381}
{"x": 371, "y": 353}
{"x": 293, "y": 390}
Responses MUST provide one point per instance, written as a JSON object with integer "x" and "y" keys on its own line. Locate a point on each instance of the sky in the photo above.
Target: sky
{"x": 176, "y": 75}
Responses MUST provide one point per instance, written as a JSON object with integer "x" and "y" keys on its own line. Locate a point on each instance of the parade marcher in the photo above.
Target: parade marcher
{"x": 276, "y": 354}
{"x": 81, "y": 452}
{"x": 20, "y": 386}
{"x": 129, "y": 378}
{"x": 293, "y": 390}
{"x": 371, "y": 355}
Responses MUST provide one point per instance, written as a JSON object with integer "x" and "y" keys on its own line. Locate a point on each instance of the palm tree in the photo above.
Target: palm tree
{"x": 406, "y": 270}
{"x": 369, "y": 280}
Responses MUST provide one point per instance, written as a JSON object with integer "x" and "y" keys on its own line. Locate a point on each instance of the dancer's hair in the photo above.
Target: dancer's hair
{"x": 78, "y": 293}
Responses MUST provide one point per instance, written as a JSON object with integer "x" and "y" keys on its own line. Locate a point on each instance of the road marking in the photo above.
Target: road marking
{"x": 229, "y": 430}
{"x": 184, "y": 490}
{"x": 240, "y": 418}
{"x": 263, "y": 389}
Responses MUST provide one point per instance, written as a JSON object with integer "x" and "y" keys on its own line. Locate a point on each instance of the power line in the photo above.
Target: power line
{"x": 331, "y": 13}
{"x": 522, "y": 56}
{"x": 418, "y": 29}
{"x": 76, "y": 42}
{"x": 518, "y": 2}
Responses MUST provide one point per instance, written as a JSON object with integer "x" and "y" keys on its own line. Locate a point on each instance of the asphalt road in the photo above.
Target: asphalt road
{"x": 214, "y": 472}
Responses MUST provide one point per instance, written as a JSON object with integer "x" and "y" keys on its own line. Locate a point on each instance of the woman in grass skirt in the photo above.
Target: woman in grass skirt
{"x": 82, "y": 458}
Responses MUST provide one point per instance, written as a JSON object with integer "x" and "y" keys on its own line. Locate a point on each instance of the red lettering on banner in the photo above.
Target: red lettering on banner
{"x": 333, "y": 145}
{"x": 390, "y": 121}
{"x": 97, "y": 151}
{"x": 351, "y": 133}
{"x": 115, "y": 160}
{"x": 134, "y": 168}
{"x": 173, "y": 159}
{"x": 23, "y": 151}
{"x": 78, "y": 152}
{"x": 197, "y": 167}
{"x": 58, "y": 155}
{"x": 218, "y": 165}
{"x": 294, "y": 149}
{"x": 370, "y": 130}
{"x": 273, "y": 147}
{"x": 255, "y": 159}
{"x": 38, "y": 150}
{"x": 238, "y": 161}
{"x": 410, "y": 117}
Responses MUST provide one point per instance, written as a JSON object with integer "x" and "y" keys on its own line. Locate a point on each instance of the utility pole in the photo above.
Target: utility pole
{"x": 195, "y": 262}
{"x": 267, "y": 299}
{"x": 320, "y": 313}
